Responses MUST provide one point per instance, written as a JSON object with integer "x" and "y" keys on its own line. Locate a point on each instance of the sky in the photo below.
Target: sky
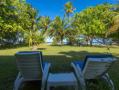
{"x": 54, "y": 8}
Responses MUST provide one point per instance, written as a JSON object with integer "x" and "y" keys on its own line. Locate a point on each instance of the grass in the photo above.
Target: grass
{"x": 60, "y": 57}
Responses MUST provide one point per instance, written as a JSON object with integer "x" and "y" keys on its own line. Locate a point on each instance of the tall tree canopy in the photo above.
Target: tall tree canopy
{"x": 114, "y": 29}
{"x": 69, "y": 8}
{"x": 44, "y": 24}
{"x": 94, "y": 21}
{"x": 9, "y": 20}
{"x": 18, "y": 21}
{"x": 57, "y": 30}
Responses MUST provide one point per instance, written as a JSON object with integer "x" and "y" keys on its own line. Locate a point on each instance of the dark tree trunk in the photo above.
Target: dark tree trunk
{"x": 104, "y": 41}
{"x": 87, "y": 40}
{"x": 61, "y": 40}
{"x": 91, "y": 42}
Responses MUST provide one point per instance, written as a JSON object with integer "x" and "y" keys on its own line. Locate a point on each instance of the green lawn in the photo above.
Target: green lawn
{"x": 60, "y": 57}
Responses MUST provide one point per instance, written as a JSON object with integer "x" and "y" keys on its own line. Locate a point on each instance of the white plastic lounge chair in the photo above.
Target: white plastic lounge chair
{"x": 31, "y": 68}
{"x": 94, "y": 66}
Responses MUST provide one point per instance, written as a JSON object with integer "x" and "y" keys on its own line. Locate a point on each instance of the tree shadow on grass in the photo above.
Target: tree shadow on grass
{"x": 61, "y": 62}
{"x": 99, "y": 46}
{"x": 79, "y": 55}
{"x": 8, "y": 72}
{"x": 41, "y": 48}
{"x": 4, "y": 47}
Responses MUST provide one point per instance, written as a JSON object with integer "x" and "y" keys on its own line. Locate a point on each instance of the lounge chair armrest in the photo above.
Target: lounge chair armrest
{"x": 77, "y": 71}
{"x": 79, "y": 76}
{"x": 18, "y": 76}
{"x": 18, "y": 81}
{"x": 45, "y": 74}
{"x": 46, "y": 69}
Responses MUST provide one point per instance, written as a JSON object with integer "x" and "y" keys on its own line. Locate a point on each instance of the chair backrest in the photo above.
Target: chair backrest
{"x": 29, "y": 64}
{"x": 96, "y": 65}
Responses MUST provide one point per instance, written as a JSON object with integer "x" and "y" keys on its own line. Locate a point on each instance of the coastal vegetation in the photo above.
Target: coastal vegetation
{"x": 20, "y": 23}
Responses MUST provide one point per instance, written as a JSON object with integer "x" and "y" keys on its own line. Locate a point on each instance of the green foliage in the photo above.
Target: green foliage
{"x": 8, "y": 21}
{"x": 20, "y": 22}
{"x": 115, "y": 25}
{"x": 33, "y": 38}
{"x": 114, "y": 29}
{"x": 43, "y": 24}
{"x": 57, "y": 29}
{"x": 94, "y": 21}
{"x": 70, "y": 32}
{"x": 68, "y": 7}
{"x": 17, "y": 18}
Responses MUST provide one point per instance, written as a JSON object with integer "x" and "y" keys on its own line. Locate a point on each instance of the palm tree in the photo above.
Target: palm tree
{"x": 33, "y": 27}
{"x": 68, "y": 8}
{"x": 57, "y": 30}
{"x": 43, "y": 24}
{"x": 70, "y": 32}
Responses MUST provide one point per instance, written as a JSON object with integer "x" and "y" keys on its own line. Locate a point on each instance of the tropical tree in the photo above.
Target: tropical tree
{"x": 16, "y": 19}
{"x": 71, "y": 35}
{"x": 114, "y": 29}
{"x": 70, "y": 32}
{"x": 32, "y": 24}
{"x": 57, "y": 30}
{"x": 94, "y": 21}
{"x": 12, "y": 20}
{"x": 68, "y": 9}
{"x": 43, "y": 24}
{"x": 35, "y": 36}
{"x": 115, "y": 26}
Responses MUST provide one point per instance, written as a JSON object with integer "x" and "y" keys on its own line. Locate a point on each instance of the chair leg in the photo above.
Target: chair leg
{"x": 48, "y": 87}
{"x": 76, "y": 87}
{"x": 82, "y": 84}
{"x": 18, "y": 82}
{"x": 43, "y": 85}
{"x": 79, "y": 76}
{"x": 107, "y": 78}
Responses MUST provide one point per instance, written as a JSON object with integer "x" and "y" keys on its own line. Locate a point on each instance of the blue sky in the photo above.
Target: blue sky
{"x": 54, "y": 8}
